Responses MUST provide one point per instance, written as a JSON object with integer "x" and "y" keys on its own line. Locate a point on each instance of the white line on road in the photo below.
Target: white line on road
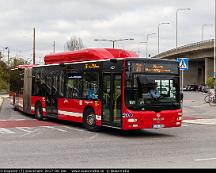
{"x": 6, "y": 131}
{"x": 25, "y": 129}
{"x": 76, "y": 129}
{"x": 206, "y": 159}
{"x": 55, "y": 128}
{"x": 201, "y": 121}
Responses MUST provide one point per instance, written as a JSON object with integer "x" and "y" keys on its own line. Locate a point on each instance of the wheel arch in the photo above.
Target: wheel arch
{"x": 86, "y": 108}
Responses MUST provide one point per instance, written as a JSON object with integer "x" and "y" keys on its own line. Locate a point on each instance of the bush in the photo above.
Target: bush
{"x": 211, "y": 82}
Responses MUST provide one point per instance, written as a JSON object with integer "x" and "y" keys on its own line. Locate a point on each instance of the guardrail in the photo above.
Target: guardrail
{"x": 186, "y": 48}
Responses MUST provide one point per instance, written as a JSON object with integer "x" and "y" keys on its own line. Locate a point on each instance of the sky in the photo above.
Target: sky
{"x": 59, "y": 20}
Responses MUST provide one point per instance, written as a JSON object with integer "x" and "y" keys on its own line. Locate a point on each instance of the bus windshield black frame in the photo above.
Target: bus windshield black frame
{"x": 152, "y": 85}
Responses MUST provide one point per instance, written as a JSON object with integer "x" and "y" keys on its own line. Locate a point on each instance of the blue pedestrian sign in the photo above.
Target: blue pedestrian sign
{"x": 183, "y": 63}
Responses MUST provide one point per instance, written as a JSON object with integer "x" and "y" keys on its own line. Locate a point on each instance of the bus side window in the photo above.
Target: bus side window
{"x": 90, "y": 85}
{"x": 73, "y": 88}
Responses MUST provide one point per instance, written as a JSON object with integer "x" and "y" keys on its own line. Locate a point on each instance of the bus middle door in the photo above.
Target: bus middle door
{"x": 51, "y": 96}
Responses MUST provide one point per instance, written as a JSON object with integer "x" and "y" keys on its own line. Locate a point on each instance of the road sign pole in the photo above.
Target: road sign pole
{"x": 183, "y": 65}
{"x": 182, "y": 84}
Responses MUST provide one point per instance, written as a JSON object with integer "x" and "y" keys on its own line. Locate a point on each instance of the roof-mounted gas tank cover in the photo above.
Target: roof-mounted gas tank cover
{"x": 88, "y": 55}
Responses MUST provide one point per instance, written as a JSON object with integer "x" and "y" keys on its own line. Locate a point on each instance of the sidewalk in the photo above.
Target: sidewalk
{"x": 2, "y": 96}
{"x": 195, "y": 107}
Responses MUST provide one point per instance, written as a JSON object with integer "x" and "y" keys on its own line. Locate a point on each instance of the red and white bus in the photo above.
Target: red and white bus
{"x": 100, "y": 87}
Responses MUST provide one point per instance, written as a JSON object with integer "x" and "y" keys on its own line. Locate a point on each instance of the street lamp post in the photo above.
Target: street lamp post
{"x": 203, "y": 27}
{"x": 159, "y": 34}
{"x": 180, "y": 9}
{"x": 182, "y": 71}
{"x": 114, "y": 41}
{"x": 215, "y": 49}
{"x": 147, "y": 38}
{"x": 33, "y": 53}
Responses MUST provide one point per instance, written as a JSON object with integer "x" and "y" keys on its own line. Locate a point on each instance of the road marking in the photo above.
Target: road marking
{"x": 6, "y": 131}
{"x": 25, "y": 129}
{"x": 206, "y": 159}
{"x": 201, "y": 121}
{"x": 30, "y": 131}
{"x": 76, "y": 129}
{"x": 55, "y": 128}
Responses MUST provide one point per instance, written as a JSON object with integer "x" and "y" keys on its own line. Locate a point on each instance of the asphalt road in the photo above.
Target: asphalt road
{"x": 29, "y": 143}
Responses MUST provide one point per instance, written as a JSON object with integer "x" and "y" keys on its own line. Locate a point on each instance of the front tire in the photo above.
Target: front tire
{"x": 90, "y": 120}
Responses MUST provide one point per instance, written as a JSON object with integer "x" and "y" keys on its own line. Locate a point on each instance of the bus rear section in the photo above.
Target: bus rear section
{"x": 21, "y": 88}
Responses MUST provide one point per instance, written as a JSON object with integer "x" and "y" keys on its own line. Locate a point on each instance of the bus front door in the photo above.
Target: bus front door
{"x": 111, "y": 99}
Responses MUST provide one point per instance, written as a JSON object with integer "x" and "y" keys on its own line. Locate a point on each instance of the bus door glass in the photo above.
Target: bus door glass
{"x": 51, "y": 94}
{"x": 112, "y": 99}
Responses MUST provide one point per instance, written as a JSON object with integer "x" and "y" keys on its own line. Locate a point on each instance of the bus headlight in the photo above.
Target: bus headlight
{"x": 179, "y": 118}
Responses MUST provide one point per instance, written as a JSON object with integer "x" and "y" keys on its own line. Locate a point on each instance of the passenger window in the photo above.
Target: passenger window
{"x": 90, "y": 85}
{"x": 73, "y": 85}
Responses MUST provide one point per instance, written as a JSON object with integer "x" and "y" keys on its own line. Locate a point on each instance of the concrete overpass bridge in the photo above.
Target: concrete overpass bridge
{"x": 201, "y": 60}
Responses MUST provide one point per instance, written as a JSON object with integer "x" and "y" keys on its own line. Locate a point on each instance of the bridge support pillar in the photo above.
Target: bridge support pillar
{"x": 209, "y": 68}
{"x": 196, "y": 73}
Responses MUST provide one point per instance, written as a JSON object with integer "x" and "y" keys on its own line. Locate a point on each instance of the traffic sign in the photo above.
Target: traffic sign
{"x": 215, "y": 75}
{"x": 183, "y": 63}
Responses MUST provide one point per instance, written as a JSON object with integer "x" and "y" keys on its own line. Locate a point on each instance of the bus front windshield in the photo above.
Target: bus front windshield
{"x": 144, "y": 90}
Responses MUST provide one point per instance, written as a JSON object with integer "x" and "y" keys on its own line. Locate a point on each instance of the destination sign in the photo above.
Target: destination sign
{"x": 154, "y": 68}
{"x": 157, "y": 69}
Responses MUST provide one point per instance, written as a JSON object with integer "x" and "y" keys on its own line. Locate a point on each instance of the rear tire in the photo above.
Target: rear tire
{"x": 90, "y": 120}
{"x": 212, "y": 101}
{"x": 38, "y": 111}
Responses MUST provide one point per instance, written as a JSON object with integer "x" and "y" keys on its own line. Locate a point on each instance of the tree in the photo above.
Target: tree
{"x": 4, "y": 76}
{"x": 5, "y": 71}
{"x": 18, "y": 61}
{"x": 74, "y": 44}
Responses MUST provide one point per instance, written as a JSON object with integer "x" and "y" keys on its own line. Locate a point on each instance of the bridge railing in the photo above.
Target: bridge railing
{"x": 197, "y": 45}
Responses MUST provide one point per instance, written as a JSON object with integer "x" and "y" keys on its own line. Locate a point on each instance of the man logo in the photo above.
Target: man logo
{"x": 158, "y": 118}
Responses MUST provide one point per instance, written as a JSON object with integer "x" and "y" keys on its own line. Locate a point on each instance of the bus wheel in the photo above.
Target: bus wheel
{"x": 90, "y": 120}
{"x": 38, "y": 111}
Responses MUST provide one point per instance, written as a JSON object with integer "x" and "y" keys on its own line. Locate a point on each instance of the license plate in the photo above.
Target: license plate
{"x": 158, "y": 126}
